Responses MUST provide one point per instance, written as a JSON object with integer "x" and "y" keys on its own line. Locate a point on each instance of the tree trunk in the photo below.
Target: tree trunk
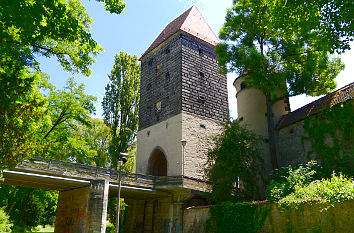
{"x": 24, "y": 207}
{"x": 271, "y": 132}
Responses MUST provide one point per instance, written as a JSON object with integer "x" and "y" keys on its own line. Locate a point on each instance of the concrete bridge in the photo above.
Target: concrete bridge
{"x": 155, "y": 202}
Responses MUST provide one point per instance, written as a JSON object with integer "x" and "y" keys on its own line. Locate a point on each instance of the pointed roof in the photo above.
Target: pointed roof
{"x": 191, "y": 22}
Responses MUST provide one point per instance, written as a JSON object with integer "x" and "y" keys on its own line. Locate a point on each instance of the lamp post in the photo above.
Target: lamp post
{"x": 122, "y": 160}
{"x": 184, "y": 142}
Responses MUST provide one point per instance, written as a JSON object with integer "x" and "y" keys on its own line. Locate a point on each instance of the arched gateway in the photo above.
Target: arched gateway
{"x": 157, "y": 163}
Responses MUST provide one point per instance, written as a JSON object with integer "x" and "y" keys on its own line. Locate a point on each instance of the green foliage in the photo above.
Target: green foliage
{"x": 5, "y": 224}
{"x": 121, "y": 104}
{"x": 29, "y": 207}
{"x": 337, "y": 189}
{"x": 22, "y": 109}
{"x": 285, "y": 180}
{"x": 237, "y": 217}
{"x": 28, "y": 29}
{"x": 234, "y": 165}
{"x": 110, "y": 228}
{"x": 96, "y": 135}
{"x": 331, "y": 135}
{"x": 281, "y": 50}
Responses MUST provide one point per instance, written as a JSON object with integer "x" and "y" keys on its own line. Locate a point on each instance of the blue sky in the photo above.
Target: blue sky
{"x": 135, "y": 29}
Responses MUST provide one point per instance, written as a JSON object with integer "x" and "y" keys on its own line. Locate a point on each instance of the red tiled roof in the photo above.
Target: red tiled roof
{"x": 191, "y": 22}
{"x": 336, "y": 97}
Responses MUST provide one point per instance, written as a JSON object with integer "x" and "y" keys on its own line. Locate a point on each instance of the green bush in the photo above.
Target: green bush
{"x": 234, "y": 165}
{"x": 284, "y": 180}
{"x": 230, "y": 217}
{"x": 110, "y": 228}
{"x": 5, "y": 225}
{"x": 337, "y": 189}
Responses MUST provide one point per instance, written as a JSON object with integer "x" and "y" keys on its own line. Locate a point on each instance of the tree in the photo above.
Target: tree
{"x": 28, "y": 207}
{"x": 97, "y": 136}
{"x": 272, "y": 43}
{"x": 234, "y": 165}
{"x": 121, "y": 104}
{"x": 29, "y": 29}
{"x": 67, "y": 111}
{"x": 21, "y": 114}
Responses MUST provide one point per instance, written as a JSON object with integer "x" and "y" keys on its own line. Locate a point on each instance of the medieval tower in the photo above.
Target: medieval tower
{"x": 182, "y": 97}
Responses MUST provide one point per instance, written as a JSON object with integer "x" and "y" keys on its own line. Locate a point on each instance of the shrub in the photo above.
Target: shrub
{"x": 284, "y": 180}
{"x": 236, "y": 217}
{"x": 337, "y": 189}
{"x": 234, "y": 164}
{"x": 5, "y": 225}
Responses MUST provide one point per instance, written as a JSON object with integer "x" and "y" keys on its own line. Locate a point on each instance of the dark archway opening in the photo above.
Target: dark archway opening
{"x": 158, "y": 164}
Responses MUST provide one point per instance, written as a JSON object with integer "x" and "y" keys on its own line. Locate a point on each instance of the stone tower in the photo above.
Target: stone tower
{"x": 182, "y": 96}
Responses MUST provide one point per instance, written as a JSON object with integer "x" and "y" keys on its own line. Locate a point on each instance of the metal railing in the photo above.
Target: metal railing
{"x": 88, "y": 172}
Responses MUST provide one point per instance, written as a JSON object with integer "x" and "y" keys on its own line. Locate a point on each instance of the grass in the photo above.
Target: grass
{"x": 46, "y": 229}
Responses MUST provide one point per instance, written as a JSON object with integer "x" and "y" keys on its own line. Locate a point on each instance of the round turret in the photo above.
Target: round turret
{"x": 251, "y": 107}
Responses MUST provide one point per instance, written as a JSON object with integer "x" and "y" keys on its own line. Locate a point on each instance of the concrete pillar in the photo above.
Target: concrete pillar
{"x": 97, "y": 206}
{"x": 71, "y": 215}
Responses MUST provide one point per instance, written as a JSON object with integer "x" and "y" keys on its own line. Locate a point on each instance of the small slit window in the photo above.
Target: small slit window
{"x": 200, "y": 51}
{"x": 159, "y": 69}
{"x": 201, "y": 74}
{"x": 150, "y": 62}
{"x": 243, "y": 85}
{"x": 167, "y": 51}
{"x": 158, "y": 106}
{"x": 201, "y": 99}
{"x": 167, "y": 75}
{"x": 148, "y": 86}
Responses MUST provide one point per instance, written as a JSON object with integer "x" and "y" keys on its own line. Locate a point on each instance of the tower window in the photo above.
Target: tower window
{"x": 148, "y": 86}
{"x": 150, "y": 62}
{"x": 201, "y": 74}
{"x": 167, "y": 75}
{"x": 158, "y": 106}
{"x": 159, "y": 69}
{"x": 243, "y": 85}
{"x": 201, "y": 99}
{"x": 200, "y": 51}
{"x": 167, "y": 51}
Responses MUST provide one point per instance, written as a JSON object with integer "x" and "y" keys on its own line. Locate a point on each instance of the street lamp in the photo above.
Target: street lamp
{"x": 184, "y": 142}
{"x": 122, "y": 160}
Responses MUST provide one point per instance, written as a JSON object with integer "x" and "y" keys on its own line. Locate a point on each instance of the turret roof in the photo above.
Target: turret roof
{"x": 191, "y": 22}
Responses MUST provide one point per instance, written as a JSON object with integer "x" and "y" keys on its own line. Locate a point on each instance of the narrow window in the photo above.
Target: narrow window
{"x": 200, "y": 51}
{"x": 243, "y": 85}
{"x": 167, "y": 51}
{"x": 159, "y": 69}
{"x": 201, "y": 74}
{"x": 148, "y": 86}
{"x": 167, "y": 75}
{"x": 158, "y": 106}
{"x": 150, "y": 62}
{"x": 201, "y": 99}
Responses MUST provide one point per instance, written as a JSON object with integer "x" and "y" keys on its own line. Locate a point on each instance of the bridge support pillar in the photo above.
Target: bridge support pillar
{"x": 97, "y": 206}
{"x": 84, "y": 209}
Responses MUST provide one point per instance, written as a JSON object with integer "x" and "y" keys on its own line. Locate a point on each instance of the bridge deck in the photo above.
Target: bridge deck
{"x": 58, "y": 175}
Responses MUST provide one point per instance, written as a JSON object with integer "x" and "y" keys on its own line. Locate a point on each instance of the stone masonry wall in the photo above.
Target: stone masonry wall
{"x": 292, "y": 150}
{"x": 198, "y": 132}
{"x": 160, "y": 82}
{"x": 204, "y": 90}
